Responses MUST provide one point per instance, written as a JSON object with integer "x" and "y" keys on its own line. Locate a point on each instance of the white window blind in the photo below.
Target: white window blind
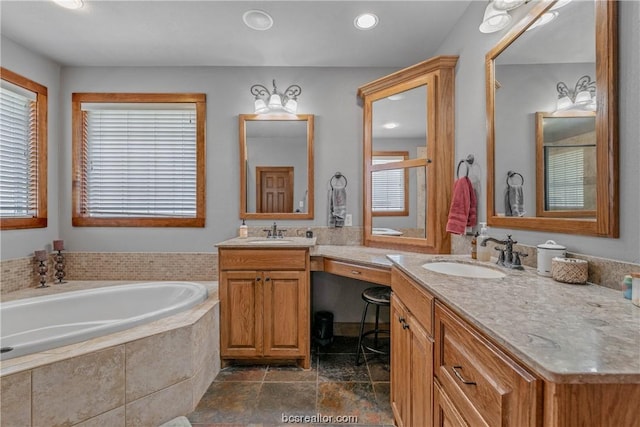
{"x": 388, "y": 186}
{"x": 18, "y": 152}
{"x": 140, "y": 161}
{"x": 565, "y": 178}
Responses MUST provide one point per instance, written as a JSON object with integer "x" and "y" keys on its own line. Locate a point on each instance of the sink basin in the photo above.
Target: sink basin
{"x": 464, "y": 270}
{"x": 271, "y": 242}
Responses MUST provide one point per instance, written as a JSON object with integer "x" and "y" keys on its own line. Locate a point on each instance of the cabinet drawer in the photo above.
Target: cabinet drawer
{"x": 262, "y": 259}
{"x": 489, "y": 388}
{"x": 418, "y": 301}
{"x": 380, "y": 276}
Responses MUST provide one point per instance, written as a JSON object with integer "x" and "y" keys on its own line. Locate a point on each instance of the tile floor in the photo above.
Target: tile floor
{"x": 259, "y": 396}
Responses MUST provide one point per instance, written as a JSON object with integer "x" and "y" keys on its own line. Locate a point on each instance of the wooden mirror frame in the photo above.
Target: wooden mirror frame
{"x": 242, "y": 120}
{"x": 607, "y": 212}
{"x": 438, "y": 74}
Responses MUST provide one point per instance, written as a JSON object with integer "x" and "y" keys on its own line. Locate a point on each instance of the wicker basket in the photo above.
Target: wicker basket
{"x": 570, "y": 270}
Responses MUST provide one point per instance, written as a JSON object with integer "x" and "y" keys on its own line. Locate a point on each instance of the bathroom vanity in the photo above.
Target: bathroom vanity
{"x": 265, "y": 299}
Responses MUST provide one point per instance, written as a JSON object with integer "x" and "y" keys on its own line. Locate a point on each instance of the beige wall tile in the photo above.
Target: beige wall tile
{"x": 162, "y": 406}
{"x": 15, "y": 400}
{"x": 77, "y": 389}
{"x": 206, "y": 352}
{"x": 158, "y": 361}
{"x": 113, "y": 418}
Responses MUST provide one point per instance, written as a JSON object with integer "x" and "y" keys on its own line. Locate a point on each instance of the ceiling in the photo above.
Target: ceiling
{"x": 212, "y": 33}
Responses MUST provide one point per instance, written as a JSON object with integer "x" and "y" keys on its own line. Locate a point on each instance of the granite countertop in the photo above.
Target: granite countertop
{"x": 262, "y": 242}
{"x": 359, "y": 254}
{"x": 567, "y": 333}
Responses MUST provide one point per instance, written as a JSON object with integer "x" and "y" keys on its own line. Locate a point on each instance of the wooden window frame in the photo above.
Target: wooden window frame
{"x": 80, "y": 220}
{"x": 389, "y": 166}
{"x": 40, "y": 219}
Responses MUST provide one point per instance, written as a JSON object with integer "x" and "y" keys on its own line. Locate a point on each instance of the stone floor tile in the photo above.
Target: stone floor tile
{"x": 341, "y": 367}
{"x": 351, "y": 398}
{"x": 227, "y": 402}
{"x": 242, "y": 373}
{"x": 290, "y": 374}
{"x": 379, "y": 368}
{"x": 278, "y": 399}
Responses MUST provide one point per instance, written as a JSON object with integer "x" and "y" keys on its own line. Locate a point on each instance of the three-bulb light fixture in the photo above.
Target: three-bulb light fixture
{"x": 496, "y": 15}
{"x": 275, "y": 101}
{"x": 582, "y": 97}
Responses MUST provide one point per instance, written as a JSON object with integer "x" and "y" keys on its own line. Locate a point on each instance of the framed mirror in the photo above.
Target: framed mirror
{"x": 276, "y": 166}
{"x": 555, "y": 171}
{"x": 408, "y": 149}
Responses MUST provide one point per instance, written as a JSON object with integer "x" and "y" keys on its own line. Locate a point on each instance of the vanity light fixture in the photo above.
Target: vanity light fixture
{"x": 366, "y": 21}
{"x": 70, "y": 4}
{"x": 494, "y": 19}
{"x": 583, "y": 96}
{"x": 265, "y": 102}
{"x": 543, "y": 20}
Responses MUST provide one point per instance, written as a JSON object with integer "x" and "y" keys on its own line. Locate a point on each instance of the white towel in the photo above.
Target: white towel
{"x": 337, "y": 206}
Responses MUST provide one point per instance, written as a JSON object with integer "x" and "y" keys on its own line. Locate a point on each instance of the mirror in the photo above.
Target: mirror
{"x": 408, "y": 148}
{"x": 276, "y": 166}
{"x": 566, "y": 164}
{"x": 554, "y": 171}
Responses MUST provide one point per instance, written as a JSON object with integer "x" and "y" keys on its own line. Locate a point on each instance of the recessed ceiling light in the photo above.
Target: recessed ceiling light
{"x": 257, "y": 19}
{"x": 365, "y": 21}
{"x": 70, "y": 4}
{"x": 390, "y": 125}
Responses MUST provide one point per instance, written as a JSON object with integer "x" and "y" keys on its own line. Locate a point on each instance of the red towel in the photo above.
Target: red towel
{"x": 463, "y": 210}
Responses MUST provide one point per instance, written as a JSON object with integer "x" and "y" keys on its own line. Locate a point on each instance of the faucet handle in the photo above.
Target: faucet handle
{"x": 500, "y": 256}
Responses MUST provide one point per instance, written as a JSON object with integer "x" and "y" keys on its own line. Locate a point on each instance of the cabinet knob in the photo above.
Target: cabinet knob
{"x": 401, "y": 319}
{"x": 456, "y": 371}
{"x": 257, "y": 279}
{"x": 405, "y": 325}
{"x": 267, "y": 279}
{"x": 356, "y": 272}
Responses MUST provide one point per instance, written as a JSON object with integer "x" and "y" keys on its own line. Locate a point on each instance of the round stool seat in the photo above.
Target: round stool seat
{"x": 380, "y": 295}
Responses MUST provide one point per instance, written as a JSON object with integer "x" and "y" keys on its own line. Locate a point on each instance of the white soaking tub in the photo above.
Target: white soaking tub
{"x": 36, "y": 324}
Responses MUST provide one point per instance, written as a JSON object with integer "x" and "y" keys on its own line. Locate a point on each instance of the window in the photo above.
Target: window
{"x": 138, "y": 160}
{"x": 390, "y": 187}
{"x": 567, "y": 178}
{"x": 23, "y": 152}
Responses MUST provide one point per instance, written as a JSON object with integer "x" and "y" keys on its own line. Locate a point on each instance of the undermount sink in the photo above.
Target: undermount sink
{"x": 463, "y": 270}
{"x": 271, "y": 242}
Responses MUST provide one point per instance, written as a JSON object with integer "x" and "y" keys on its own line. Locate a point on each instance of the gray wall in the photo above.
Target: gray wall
{"x": 22, "y": 243}
{"x": 466, "y": 41}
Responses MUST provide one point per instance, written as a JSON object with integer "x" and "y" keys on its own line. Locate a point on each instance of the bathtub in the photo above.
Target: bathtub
{"x": 41, "y": 323}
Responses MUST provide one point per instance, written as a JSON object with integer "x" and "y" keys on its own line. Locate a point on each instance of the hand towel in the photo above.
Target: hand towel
{"x": 463, "y": 209}
{"x": 337, "y": 206}
{"x": 514, "y": 201}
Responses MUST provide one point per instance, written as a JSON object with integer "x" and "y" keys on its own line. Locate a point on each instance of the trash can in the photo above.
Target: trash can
{"x": 323, "y": 328}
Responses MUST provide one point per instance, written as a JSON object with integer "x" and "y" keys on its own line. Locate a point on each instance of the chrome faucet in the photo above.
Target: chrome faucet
{"x": 507, "y": 257}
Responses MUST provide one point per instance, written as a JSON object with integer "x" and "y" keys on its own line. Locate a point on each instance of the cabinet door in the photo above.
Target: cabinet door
{"x": 286, "y": 313}
{"x": 445, "y": 414}
{"x": 421, "y": 374}
{"x": 241, "y": 313}
{"x": 400, "y": 363}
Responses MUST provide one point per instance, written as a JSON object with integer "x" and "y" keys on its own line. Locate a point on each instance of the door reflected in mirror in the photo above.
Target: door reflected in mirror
{"x": 276, "y": 154}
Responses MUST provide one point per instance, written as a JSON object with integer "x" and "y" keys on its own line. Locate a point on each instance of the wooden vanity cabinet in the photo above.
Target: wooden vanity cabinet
{"x": 411, "y": 353}
{"x": 485, "y": 386}
{"x": 265, "y": 304}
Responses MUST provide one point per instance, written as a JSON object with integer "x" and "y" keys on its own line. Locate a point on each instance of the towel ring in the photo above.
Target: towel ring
{"x": 468, "y": 162}
{"x": 338, "y": 177}
{"x": 511, "y": 174}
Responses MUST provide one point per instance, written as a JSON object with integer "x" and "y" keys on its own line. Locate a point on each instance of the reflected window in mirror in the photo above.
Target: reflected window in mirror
{"x": 569, "y": 186}
{"x": 567, "y": 167}
{"x": 276, "y": 166}
{"x": 390, "y": 188}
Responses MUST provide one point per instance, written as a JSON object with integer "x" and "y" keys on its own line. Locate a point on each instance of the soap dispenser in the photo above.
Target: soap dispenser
{"x": 484, "y": 251}
{"x": 244, "y": 230}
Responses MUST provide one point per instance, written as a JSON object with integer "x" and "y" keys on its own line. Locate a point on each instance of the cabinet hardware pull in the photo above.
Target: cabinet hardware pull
{"x": 401, "y": 319}
{"x": 405, "y": 325}
{"x": 460, "y": 377}
{"x": 257, "y": 279}
{"x": 268, "y": 279}
{"x": 355, "y": 272}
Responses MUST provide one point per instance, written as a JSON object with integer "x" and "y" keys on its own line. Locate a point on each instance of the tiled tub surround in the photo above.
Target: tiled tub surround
{"x": 566, "y": 333}
{"x": 142, "y": 376}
